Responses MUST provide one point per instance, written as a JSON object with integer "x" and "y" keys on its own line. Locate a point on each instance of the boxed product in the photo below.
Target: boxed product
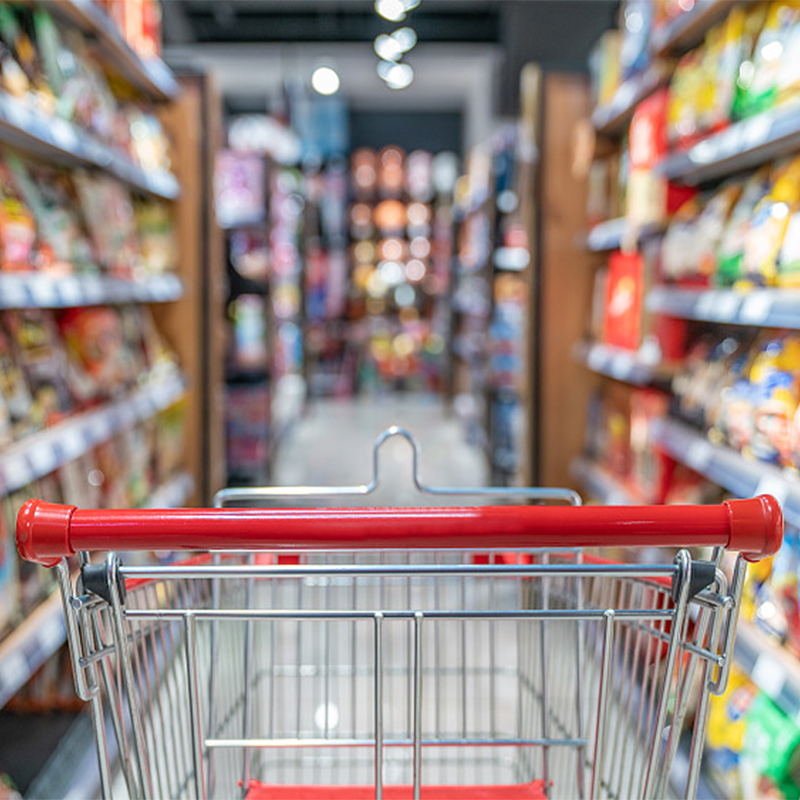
{"x": 650, "y": 198}
{"x": 623, "y": 311}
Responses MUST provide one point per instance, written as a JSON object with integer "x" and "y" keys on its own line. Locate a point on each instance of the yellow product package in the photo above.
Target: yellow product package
{"x": 771, "y": 216}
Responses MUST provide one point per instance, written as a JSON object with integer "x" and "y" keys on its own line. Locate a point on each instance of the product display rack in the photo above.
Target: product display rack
{"x": 741, "y": 146}
{"x": 43, "y": 632}
{"x": 173, "y": 297}
{"x": 601, "y": 484}
{"x": 621, "y": 365}
{"x": 731, "y": 470}
{"x": 150, "y": 76}
{"x": 30, "y": 290}
{"x": 768, "y": 308}
{"x": 689, "y": 28}
{"x": 615, "y": 234}
{"x": 63, "y": 143}
{"x": 41, "y": 453}
{"x": 711, "y": 314}
{"x": 775, "y": 671}
{"x": 611, "y": 119}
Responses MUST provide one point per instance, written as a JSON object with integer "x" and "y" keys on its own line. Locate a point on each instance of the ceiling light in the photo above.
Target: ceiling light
{"x": 404, "y": 38}
{"x": 384, "y": 67}
{"x": 393, "y": 10}
{"x": 325, "y": 80}
{"x": 398, "y": 76}
{"x": 387, "y": 48}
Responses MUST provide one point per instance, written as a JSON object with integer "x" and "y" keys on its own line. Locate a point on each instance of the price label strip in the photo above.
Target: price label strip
{"x": 769, "y": 675}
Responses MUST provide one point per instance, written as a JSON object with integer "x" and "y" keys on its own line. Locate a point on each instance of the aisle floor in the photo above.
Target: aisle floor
{"x": 332, "y": 445}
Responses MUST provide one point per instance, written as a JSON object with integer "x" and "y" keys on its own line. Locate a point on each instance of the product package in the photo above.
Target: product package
{"x": 759, "y": 87}
{"x": 768, "y": 225}
{"x": 40, "y": 354}
{"x": 623, "y": 313}
{"x": 730, "y": 253}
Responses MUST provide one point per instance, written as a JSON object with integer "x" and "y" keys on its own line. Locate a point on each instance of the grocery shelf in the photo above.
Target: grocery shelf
{"x": 727, "y": 468}
{"x": 741, "y": 146}
{"x": 613, "y": 233}
{"x": 28, "y": 646}
{"x": 34, "y": 290}
{"x": 607, "y": 235}
{"x": 43, "y": 631}
{"x": 62, "y": 142}
{"x": 40, "y": 453}
{"x": 612, "y": 117}
{"x": 771, "y": 308}
{"x": 689, "y": 28}
{"x": 150, "y": 75}
{"x": 771, "y": 667}
{"x": 622, "y": 365}
{"x": 511, "y": 259}
{"x": 173, "y": 494}
{"x": 601, "y": 484}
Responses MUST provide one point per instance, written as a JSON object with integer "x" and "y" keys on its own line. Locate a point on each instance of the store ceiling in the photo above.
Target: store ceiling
{"x": 558, "y": 32}
{"x": 253, "y": 39}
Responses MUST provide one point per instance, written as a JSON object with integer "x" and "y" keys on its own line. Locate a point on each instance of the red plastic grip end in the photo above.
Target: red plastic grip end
{"x": 756, "y": 526}
{"x": 43, "y": 532}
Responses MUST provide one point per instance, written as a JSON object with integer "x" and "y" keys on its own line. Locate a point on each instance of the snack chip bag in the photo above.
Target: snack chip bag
{"x": 764, "y": 237}
{"x": 730, "y": 252}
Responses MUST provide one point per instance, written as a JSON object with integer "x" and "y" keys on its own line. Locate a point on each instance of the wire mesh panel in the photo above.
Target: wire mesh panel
{"x": 524, "y": 674}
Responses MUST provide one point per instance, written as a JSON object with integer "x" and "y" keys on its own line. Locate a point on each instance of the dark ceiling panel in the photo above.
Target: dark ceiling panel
{"x": 301, "y": 24}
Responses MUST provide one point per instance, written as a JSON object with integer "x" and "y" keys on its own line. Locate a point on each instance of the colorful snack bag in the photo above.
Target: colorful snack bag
{"x": 764, "y": 237}
{"x": 731, "y": 246}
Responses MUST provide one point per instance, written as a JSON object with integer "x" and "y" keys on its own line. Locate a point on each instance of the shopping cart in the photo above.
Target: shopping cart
{"x": 471, "y": 652}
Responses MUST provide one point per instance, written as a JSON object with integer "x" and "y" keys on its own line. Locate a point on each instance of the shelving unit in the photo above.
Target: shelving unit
{"x": 151, "y": 76}
{"x": 730, "y": 152}
{"x": 727, "y": 468}
{"x": 31, "y": 290}
{"x": 621, "y": 365}
{"x": 611, "y": 118}
{"x": 43, "y": 632}
{"x": 614, "y": 234}
{"x": 177, "y": 301}
{"x": 739, "y": 147}
{"x": 29, "y": 645}
{"x": 63, "y": 143}
{"x": 599, "y": 483}
{"x": 774, "y": 670}
{"x": 769, "y": 308}
{"x": 39, "y": 454}
{"x": 688, "y": 29}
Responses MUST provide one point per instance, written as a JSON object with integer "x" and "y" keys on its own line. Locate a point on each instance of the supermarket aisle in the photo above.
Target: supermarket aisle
{"x": 333, "y": 445}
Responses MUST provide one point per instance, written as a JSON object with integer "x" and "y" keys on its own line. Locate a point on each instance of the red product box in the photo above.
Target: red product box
{"x": 651, "y": 198}
{"x": 622, "y": 321}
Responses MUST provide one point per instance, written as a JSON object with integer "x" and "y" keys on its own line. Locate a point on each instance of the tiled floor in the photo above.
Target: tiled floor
{"x": 332, "y": 445}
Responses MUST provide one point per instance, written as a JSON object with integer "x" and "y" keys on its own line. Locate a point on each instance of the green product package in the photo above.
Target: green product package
{"x": 730, "y": 252}
{"x": 758, "y": 83}
{"x": 770, "y": 750}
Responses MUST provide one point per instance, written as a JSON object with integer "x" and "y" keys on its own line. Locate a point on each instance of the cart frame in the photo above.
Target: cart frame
{"x": 112, "y": 610}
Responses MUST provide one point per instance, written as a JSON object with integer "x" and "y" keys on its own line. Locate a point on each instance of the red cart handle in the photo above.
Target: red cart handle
{"x": 47, "y": 532}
